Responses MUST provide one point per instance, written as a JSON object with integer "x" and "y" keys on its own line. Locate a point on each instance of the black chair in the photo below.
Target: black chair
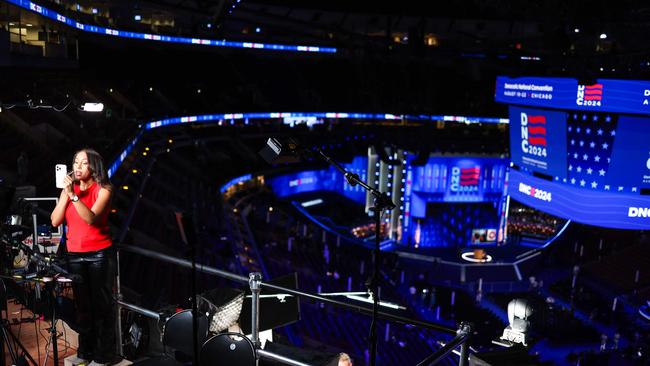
{"x": 227, "y": 349}
{"x": 178, "y": 335}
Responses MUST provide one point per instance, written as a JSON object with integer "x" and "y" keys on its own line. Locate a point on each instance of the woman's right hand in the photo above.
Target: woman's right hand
{"x": 58, "y": 214}
{"x": 68, "y": 185}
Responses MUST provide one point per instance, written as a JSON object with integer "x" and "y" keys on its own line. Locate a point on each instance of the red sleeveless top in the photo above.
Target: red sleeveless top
{"x": 83, "y": 237}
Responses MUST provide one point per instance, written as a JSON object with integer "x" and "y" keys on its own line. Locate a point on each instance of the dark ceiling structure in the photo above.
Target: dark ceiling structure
{"x": 591, "y": 37}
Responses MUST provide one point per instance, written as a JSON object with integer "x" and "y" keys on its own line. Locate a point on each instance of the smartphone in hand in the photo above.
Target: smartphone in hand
{"x": 60, "y": 170}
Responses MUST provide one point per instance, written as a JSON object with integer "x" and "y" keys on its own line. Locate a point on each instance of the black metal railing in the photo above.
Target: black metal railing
{"x": 462, "y": 334}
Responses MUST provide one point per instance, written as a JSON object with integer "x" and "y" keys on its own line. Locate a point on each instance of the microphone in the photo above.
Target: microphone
{"x": 276, "y": 152}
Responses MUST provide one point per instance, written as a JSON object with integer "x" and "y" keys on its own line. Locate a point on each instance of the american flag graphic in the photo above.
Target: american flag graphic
{"x": 594, "y": 92}
{"x": 470, "y": 176}
{"x": 590, "y": 140}
{"x": 537, "y": 130}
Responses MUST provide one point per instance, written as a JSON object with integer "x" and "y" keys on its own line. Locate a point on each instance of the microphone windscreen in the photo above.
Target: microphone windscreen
{"x": 271, "y": 150}
{"x": 275, "y": 153}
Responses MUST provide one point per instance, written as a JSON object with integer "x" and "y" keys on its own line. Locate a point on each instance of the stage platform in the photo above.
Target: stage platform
{"x": 460, "y": 265}
{"x": 504, "y": 254}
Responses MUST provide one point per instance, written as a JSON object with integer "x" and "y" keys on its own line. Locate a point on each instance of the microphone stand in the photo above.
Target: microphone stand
{"x": 382, "y": 202}
{"x": 186, "y": 227}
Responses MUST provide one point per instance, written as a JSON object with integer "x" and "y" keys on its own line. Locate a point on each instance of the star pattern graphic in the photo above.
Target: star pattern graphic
{"x": 590, "y": 139}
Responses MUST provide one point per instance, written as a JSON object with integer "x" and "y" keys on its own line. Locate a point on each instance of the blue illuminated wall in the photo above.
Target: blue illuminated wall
{"x": 448, "y": 197}
{"x": 451, "y": 224}
{"x": 322, "y": 180}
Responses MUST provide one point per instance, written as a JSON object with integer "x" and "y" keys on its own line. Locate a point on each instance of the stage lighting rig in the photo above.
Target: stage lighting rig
{"x": 43, "y": 104}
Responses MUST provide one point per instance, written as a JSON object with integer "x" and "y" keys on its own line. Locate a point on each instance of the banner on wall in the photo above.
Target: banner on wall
{"x": 538, "y": 140}
{"x": 601, "y": 95}
{"x": 592, "y": 207}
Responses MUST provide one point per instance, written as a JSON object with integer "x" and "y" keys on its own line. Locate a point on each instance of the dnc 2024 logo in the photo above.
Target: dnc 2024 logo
{"x": 534, "y": 192}
{"x": 465, "y": 179}
{"x": 533, "y": 134}
{"x": 590, "y": 95}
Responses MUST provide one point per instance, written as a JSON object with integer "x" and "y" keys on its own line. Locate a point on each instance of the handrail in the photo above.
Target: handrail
{"x": 461, "y": 339}
{"x": 183, "y": 263}
{"x": 463, "y": 333}
{"x": 139, "y": 310}
{"x": 245, "y": 280}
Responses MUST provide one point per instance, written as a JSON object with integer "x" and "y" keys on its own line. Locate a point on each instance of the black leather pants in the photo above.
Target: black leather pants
{"x": 94, "y": 304}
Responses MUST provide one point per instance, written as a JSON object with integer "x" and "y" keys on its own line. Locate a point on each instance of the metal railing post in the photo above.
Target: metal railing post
{"x": 254, "y": 280}
{"x": 465, "y": 328}
{"x": 118, "y": 299}
{"x": 461, "y": 339}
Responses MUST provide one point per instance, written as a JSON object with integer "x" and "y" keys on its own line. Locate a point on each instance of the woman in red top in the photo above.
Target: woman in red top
{"x": 84, "y": 205}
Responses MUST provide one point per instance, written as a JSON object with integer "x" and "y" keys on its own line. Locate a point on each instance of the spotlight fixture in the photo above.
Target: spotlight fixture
{"x": 92, "y": 107}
